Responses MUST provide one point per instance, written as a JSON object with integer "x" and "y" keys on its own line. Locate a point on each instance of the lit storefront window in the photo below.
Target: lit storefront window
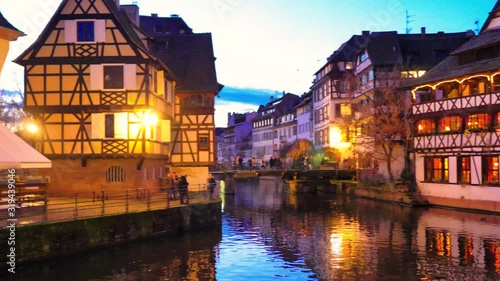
{"x": 436, "y": 169}
{"x": 490, "y": 170}
{"x": 464, "y": 169}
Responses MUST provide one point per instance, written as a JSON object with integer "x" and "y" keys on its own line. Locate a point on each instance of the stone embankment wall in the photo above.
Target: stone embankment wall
{"x": 34, "y": 242}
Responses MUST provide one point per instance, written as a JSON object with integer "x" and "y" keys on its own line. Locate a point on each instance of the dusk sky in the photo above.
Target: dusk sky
{"x": 265, "y": 47}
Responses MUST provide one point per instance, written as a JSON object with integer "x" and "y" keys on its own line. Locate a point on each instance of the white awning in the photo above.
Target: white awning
{"x": 15, "y": 153}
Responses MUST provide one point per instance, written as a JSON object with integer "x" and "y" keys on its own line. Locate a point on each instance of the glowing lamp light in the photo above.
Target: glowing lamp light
{"x": 150, "y": 119}
{"x": 32, "y": 128}
{"x": 336, "y": 138}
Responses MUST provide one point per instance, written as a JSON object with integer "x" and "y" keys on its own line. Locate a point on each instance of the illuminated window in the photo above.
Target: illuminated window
{"x": 464, "y": 169}
{"x": 475, "y": 86}
{"x": 426, "y": 126}
{"x": 450, "y": 124}
{"x": 479, "y": 121}
{"x": 348, "y": 65}
{"x": 113, "y": 77}
{"x": 490, "y": 170}
{"x": 496, "y": 83}
{"x": 436, "y": 169}
{"x": 85, "y": 31}
{"x": 447, "y": 90}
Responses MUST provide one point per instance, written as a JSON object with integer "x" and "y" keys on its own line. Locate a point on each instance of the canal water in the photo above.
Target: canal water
{"x": 268, "y": 234}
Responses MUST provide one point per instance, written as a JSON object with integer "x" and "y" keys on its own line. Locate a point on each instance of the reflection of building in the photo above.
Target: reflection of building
{"x": 107, "y": 103}
{"x": 456, "y": 109}
{"x": 470, "y": 239}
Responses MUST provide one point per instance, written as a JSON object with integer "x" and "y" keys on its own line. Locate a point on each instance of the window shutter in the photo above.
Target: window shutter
{"x": 96, "y": 77}
{"x": 165, "y": 130}
{"x": 97, "y": 125}
{"x": 100, "y": 30}
{"x": 130, "y": 77}
{"x": 121, "y": 125}
{"x": 70, "y": 31}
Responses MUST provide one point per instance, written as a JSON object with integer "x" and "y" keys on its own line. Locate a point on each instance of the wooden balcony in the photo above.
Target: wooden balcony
{"x": 459, "y": 142}
{"x": 103, "y": 148}
{"x": 457, "y": 103}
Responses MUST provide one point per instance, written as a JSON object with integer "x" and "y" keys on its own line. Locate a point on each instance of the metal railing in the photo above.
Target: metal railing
{"x": 70, "y": 206}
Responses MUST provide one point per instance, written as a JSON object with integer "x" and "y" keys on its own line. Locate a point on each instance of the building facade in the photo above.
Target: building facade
{"x": 107, "y": 104}
{"x": 456, "y": 112}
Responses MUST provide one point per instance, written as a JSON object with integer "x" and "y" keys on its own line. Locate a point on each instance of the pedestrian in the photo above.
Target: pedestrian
{"x": 211, "y": 185}
{"x": 250, "y": 163}
{"x": 240, "y": 162}
{"x": 262, "y": 163}
{"x": 183, "y": 189}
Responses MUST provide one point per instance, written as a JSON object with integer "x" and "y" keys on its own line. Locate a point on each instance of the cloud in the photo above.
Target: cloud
{"x": 245, "y": 95}
{"x": 240, "y": 100}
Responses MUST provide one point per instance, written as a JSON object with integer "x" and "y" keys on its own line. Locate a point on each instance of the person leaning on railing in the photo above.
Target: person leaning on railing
{"x": 183, "y": 189}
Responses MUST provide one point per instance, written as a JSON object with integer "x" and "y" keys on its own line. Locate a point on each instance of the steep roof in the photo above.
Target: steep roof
{"x": 192, "y": 60}
{"x": 450, "y": 67}
{"x": 490, "y": 37}
{"x": 346, "y": 52}
{"x": 5, "y": 24}
{"x": 412, "y": 51}
{"x": 124, "y": 22}
{"x": 383, "y": 48}
{"x": 492, "y": 14}
{"x": 157, "y": 26}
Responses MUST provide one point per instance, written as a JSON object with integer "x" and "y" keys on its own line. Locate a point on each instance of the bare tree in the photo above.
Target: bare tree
{"x": 381, "y": 122}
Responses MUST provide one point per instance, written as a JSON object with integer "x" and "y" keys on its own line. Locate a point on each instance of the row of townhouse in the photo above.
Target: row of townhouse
{"x": 449, "y": 86}
{"x": 348, "y": 79}
{"x": 456, "y": 115}
{"x": 121, "y": 99}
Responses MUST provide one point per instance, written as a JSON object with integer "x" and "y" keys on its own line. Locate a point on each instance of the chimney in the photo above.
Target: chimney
{"x": 117, "y": 2}
{"x": 422, "y": 31}
{"x": 132, "y": 12}
{"x": 365, "y": 32}
{"x": 272, "y": 98}
{"x": 154, "y": 15}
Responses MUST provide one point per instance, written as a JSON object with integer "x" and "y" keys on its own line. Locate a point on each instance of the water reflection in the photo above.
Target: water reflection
{"x": 268, "y": 234}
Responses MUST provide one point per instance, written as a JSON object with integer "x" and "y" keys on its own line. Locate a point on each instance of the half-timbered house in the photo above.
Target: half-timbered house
{"x": 191, "y": 58}
{"x": 102, "y": 100}
{"x": 456, "y": 111}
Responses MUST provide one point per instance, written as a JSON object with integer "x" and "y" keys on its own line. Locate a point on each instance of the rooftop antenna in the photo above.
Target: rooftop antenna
{"x": 408, "y": 29}
{"x": 476, "y": 22}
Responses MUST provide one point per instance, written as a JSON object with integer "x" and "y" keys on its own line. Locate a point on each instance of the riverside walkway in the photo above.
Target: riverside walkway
{"x": 67, "y": 207}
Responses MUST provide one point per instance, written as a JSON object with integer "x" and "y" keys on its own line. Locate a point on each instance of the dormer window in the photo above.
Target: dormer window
{"x": 362, "y": 57}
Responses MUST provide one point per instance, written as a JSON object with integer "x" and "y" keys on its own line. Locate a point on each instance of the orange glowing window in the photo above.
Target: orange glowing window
{"x": 450, "y": 124}
{"x": 490, "y": 170}
{"x": 426, "y": 126}
{"x": 479, "y": 121}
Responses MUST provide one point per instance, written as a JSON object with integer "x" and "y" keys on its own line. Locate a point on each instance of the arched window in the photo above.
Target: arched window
{"x": 115, "y": 174}
{"x": 450, "y": 124}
